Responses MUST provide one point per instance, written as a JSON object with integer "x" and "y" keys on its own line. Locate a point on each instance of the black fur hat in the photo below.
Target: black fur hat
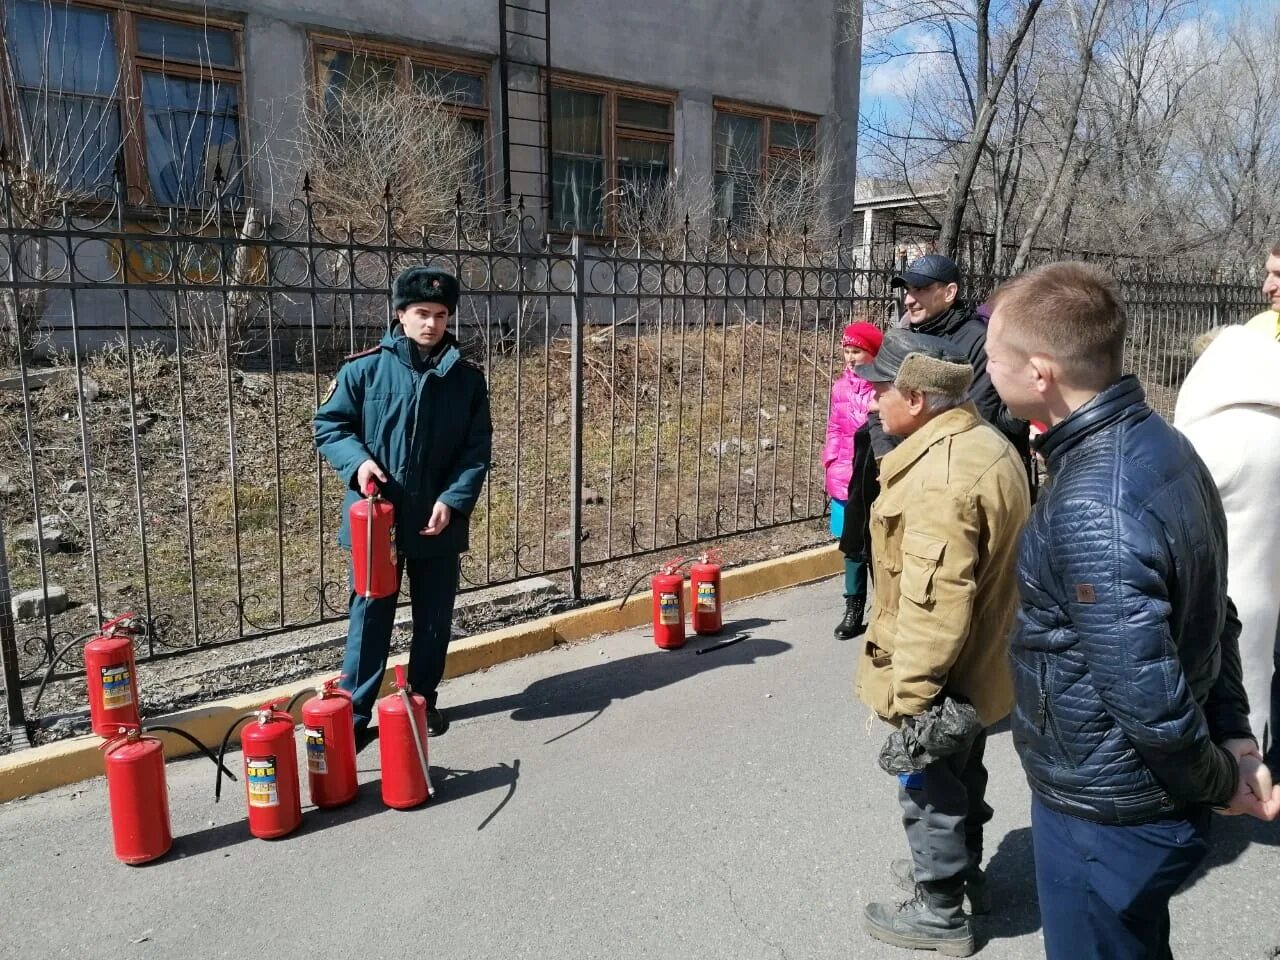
{"x": 425, "y": 285}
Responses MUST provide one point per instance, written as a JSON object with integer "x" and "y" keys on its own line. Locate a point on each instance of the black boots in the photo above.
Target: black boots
{"x": 975, "y": 886}
{"x": 851, "y": 626}
{"x": 933, "y": 920}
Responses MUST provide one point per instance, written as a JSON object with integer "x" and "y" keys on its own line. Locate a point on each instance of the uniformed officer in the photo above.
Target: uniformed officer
{"x": 413, "y": 416}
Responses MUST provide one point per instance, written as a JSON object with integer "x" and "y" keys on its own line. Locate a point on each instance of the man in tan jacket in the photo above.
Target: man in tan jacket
{"x": 944, "y": 543}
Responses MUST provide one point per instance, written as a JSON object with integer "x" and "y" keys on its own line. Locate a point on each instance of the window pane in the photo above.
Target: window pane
{"x": 788, "y": 135}
{"x": 474, "y": 130}
{"x": 644, "y": 113}
{"x": 576, "y": 122}
{"x": 345, "y": 74}
{"x": 450, "y": 85}
{"x": 579, "y": 194}
{"x": 737, "y": 143}
{"x": 61, "y": 48}
{"x": 192, "y": 127}
{"x": 181, "y": 41}
{"x": 642, "y": 167}
{"x": 736, "y": 197}
{"x": 75, "y": 139}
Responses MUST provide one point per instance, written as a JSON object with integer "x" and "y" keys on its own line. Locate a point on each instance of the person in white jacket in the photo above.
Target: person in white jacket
{"x": 1229, "y": 408}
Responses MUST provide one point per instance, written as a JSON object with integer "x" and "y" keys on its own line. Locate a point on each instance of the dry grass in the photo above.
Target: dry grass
{"x": 653, "y": 407}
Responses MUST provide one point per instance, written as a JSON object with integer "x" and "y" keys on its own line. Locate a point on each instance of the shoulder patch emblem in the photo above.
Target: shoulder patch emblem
{"x": 1085, "y": 593}
{"x": 328, "y": 394}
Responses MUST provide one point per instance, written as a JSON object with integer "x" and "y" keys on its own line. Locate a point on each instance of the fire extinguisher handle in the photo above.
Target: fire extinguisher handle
{"x": 110, "y": 626}
{"x": 371, "y": 488}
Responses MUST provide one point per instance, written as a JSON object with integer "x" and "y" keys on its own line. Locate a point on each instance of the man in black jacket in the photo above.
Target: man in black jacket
{"x": 932, "y": 285}
{"x": 1130, "y": 717}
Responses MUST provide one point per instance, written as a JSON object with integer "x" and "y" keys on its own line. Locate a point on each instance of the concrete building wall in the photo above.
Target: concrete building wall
{"x": 794, "y": 56}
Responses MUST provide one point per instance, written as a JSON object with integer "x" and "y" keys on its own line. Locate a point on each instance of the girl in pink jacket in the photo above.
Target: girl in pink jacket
{"x": 850, "y": 398}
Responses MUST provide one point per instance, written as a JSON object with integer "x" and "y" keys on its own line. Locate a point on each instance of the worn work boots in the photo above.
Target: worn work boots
{"x": 851, "y": 626}
{"x": 933, "y": 920}
{"x": 975, "y": 887}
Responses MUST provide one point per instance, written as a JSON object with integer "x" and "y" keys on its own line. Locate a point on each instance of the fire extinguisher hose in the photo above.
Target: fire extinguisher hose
{"x": 301, "y": 694}
{"x": 417, "y": 739}
{"x": 57, "y": 658}
{"x": 194, "y": 741}
{"x": 222, "y": 751}
{"x": 669, "y": 567}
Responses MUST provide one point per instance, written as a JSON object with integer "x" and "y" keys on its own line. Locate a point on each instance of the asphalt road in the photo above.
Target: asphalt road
{"x": 605, "y": 800}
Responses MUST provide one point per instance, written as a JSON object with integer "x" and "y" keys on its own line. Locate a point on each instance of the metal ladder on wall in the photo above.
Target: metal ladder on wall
{"x": 525, "y": 64}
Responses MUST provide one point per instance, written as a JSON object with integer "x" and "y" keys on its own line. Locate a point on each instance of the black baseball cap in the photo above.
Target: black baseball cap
{"x": 900, "y": 344}
{"x": 932, "y": 268}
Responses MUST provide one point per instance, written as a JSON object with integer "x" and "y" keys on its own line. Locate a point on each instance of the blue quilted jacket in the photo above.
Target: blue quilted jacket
{"x": 1126, "y": 667}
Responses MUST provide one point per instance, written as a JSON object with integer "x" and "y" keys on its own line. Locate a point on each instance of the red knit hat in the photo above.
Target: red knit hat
{"x": 863, "y": 335}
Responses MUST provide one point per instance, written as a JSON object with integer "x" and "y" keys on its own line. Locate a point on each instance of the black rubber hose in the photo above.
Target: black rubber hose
{"x": 54, "y": 663}
{"x": 196, "y": 742}
{"x": 222, "y": 752}
{"x": 298, "y": 696}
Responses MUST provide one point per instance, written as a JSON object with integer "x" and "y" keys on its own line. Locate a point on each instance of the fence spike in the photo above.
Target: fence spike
{"x": 520, "y": 205}
{"x": 4, "y": 154}
{"x": 386, "y": 192}
{"x": 686, "y": 221}
{"x": 457, "y": 200}
{"x": 217, "y": 172}
{"x": 306, "y": 181}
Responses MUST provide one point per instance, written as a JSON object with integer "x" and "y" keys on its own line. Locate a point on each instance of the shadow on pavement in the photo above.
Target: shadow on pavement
{"x": 449, "y": 785}
{"x": 1011, "y": 877}
{"x": 592, "y": 689}
{"x": 1230, "y": 837}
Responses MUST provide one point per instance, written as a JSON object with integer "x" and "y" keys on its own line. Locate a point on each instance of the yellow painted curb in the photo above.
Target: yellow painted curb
{"x": 63, "y": 762}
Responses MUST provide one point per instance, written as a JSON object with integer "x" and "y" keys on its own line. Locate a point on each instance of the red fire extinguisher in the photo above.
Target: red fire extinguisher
{"x": 137, "y": 795}
{"x": 270, "y": 771}
{"x": 704, "y": 590}
{"x": 113, "y": 678}
{"x": 668, "y": 606}
{"x": 402, "y": 747}
{"x": 328, "y": 725}
{"x": 373, "y": 545}
{"x": 136, "y": 791}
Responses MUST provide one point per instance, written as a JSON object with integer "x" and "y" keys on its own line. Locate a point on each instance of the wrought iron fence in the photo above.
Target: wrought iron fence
{"x": 648, "y": 394}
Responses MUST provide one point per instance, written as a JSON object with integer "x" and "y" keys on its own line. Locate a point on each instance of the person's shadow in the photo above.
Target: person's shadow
{"x": 1011, "y": 878}
{"x": 592, "y": 689}
{"x": 1229, "y": 838}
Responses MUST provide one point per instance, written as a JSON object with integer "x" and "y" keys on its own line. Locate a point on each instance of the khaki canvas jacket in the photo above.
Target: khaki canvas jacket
{"x": 944, "y": 548}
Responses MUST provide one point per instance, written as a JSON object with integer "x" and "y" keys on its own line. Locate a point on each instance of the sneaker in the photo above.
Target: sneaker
{"x": 977, "y": 896}
{"x": 437, "y": 722}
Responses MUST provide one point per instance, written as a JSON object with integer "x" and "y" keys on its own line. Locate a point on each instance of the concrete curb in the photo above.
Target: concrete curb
{"x": 64, "y": 762}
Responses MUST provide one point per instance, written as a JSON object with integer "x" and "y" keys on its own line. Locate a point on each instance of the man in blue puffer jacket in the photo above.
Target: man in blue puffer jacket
{"x": 1130, "y": 716}
{"x": 413, "y": 416}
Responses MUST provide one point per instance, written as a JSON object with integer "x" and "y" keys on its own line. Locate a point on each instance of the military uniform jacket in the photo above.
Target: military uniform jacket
{"x": 427, "y": 427}
{"x": 944, "y": 548}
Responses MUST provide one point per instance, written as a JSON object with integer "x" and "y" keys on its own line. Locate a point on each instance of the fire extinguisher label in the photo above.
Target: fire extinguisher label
{"x": 117, "y": 691}
{"x": 263, "y": 790}
{"x": 394, "y": 558}
{"x": 315, "y": 751}
{"x": 707, "y": 597}
{"x": 669, "y": 605}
